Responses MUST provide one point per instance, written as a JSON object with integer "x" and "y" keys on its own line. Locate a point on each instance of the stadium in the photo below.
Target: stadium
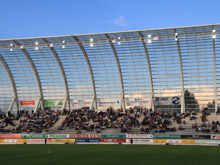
{"x": 130, "y": 89}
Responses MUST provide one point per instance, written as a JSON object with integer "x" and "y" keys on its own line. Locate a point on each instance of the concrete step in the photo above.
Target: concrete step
{"x": 57, "y": 124}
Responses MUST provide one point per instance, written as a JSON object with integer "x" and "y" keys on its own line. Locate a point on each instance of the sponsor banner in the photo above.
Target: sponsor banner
{"x": 2, "y": 140}
{"x": 35, "y": 141}
{"x": 12, "y": 136}
{"x": 173, "y": 141}
{"x": 159, "y": 140}
{"x": 188, "y": 141}
{"x": 29, "y": 103}
{"x": 108, "y": 102}
{"x": 215, "y": 136}
{"x": 78, "y": 103}
{"x": 34, "y": 136}
{"x": 128, "y": 140}
{"x": 113, "y": 140}
{"x": 142, "y": 141}
{"x": 21, "y": 141}
{"x": 138, "y": 101}
{"x": 207, "y": 141}
{"x": 175, "y": 100}
{"x": 60, "y": 140}
{"x": 58, "y": 136}
{"x": 10, "y": 141}
{"x": 195, "y": 137}
{"x": 139, "y": 136}
{"x": 94, "y": 136}
{"x": 87, "y": 140}
{"x": 166, "y": 136}
{"x": 113, "y": 136}
{"x": 53, "y": 103}
{"x": 79, "y": 136}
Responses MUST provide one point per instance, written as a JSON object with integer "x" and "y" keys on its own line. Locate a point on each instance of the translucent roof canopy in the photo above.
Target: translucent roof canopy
{"x": 163, "y": 69}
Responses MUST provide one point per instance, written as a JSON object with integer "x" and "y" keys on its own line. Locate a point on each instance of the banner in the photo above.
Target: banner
{"x": 34, "y": 136}
{"x": 195, "y": 137}
{"x": 159, "y": 140}
{"x": 79, "y": 136}
{"x": 87, "y": 140}
{"x": 2, "y": 140}
{"x": 12, "y": 136}
{"x": 61, "y": 141}
{"x": 58, "y": 136}
{"x": 207, "y": 141}
{"x": 188, "y": 141}
{"x": 139, "y": 136}
{"x": 142, "y": 141}
{"x": 173, "y": 141}
{"x": 21, "y": 141}
{"x": 113, "y": 140}
{"x": 138, "y": 101}
{"x": 29, "y": 103}
{"x": 108, "y": 103}
{"x": 35, "y": 141}
{"x": 53, "y": 103}
{"x": 166, "y": 136}
{"x": 78, "y": 103}
{"x": 11, "y": 141}
{"x": 113, "y": 136}
{"x": 94, "y": 136}
{"x": 215, "y": 136}
{"x": 175, "y": 100}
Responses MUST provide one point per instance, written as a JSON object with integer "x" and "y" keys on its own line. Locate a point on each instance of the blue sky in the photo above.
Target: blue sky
{"x": 34, "y": 18}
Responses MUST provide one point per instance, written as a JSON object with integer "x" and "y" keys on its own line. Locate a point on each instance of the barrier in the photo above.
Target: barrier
{"x": 2, "y": 141}
{"x": 79, "y": 136}
{"x": 10, "y": 136}
{"x": 195, "y": 137}
{"x": 87, "y": 140}
{"x": 60, "y": 141}
{"x": 59, "y": 136}
{"x": 21, "y": 141}
{"x": 207, "y": 141}
{"x": 11, "y": 141}
{"x": 34, "y": 136}
{"x": 35, "y": 141}
{"x": 173, "y": 141}
{"x": 215, "y": 136}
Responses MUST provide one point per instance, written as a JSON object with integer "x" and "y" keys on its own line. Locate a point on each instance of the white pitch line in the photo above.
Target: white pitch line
{"x": 48, "y": 152}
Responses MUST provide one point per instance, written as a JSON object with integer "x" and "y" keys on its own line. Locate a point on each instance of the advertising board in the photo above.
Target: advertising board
{"x": 139, "y": 136}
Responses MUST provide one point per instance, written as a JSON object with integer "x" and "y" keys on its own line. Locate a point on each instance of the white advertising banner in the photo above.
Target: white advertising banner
{"x": 138, "y": 101}
{"x": 139, "y": 136}
{"x": 78, "y": 103}
{"x": 175, "y": 100}
{"x": 142, "y": 141}
{"x": 108, "y": 103}
{"x": 10, "y": 141}
{"x": 36, "y": 141}
{"x": 174, "y": 141}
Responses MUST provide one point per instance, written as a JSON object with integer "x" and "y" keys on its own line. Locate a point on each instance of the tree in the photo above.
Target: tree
{"x": 191, "y": 103}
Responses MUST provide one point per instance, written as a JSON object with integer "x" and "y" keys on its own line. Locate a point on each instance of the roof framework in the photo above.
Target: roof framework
{"x": 119, "y": 69}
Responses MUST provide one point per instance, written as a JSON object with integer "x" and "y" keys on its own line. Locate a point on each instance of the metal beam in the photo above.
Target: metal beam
{"x": 13, "y": 86}
{"x": 41, "y": 98}
{"x": 214, "y": 57}
{"x": 181, "y": 72}
{"x": 119, "y": 72}
{"x": 90, "y": 69}
{"x": 67, "y": 96}
{"x": 149, "y": 71}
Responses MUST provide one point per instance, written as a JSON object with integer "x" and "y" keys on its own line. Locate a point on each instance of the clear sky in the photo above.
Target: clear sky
{"x": 35, "y": 18}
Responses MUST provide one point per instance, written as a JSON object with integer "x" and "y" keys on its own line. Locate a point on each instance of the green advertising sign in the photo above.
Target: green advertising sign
{"x": 59, "y": 136}
{"x": 34, "y": 136}
{"x": 49, "y": 103}
{"x": 113, "y": 136}
{"x": 166, "y": 136}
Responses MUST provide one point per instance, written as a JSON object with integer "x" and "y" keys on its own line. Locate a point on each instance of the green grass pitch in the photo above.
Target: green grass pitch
{"x": 108, "y": 155}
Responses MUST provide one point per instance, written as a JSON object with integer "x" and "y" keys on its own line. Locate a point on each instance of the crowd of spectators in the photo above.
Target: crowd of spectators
{"x": 29, "y": 121}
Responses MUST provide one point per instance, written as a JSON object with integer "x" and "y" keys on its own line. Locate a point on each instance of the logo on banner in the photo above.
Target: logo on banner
{"x": 176, "y": 100}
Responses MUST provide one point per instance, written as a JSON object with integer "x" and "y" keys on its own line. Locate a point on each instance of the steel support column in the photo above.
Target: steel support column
{"x": 214, "y": 58}
{"x": 67, "y": 96}
{"x": 90, "y": 69}
{"x": 149, "y": 72}
{"x": 11, "y": 78}
{"x": 41, "y": 98}
{"x": 119, "y": 72}
{"x": 181, "y": 72}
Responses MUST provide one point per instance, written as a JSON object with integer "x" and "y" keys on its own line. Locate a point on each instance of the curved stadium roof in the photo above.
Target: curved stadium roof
{"x": 149, "y": 68}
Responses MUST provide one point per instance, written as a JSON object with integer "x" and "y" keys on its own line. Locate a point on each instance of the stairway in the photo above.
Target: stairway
{"x": 57, "y": 124}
